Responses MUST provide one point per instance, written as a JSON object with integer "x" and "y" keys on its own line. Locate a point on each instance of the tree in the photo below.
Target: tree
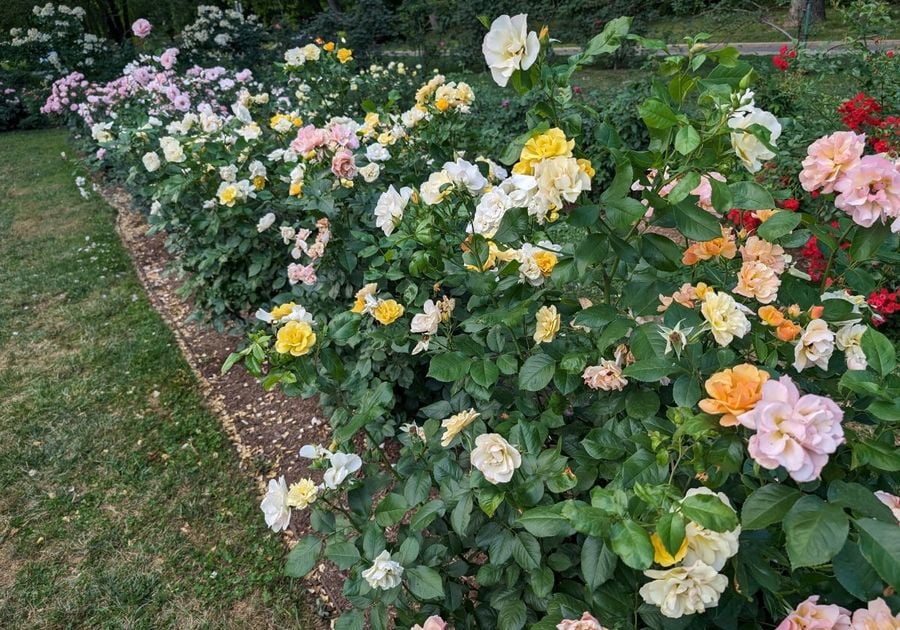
{"x": 799, "y": 8}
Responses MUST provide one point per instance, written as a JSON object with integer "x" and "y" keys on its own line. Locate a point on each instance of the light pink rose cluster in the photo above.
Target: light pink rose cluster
{"x": 811, "y": 615}
{"x": 432, "y": 623}
{"x": 305, "y": 274}
{"x": 342, "y": 136}
{"x": 309, "y": 138}
{"x": 343, "y": 164}
{"x": 141, "y": 28}
{"x": 587, "y": 622}
{"x": 870, "y": 191}
{"x": 867, "y": 187}
{"x": 828, "y": 158}
{"x": 796, "y": 431}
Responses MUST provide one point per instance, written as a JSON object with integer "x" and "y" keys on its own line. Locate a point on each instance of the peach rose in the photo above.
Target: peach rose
{"x": 770, "y": 315}
{"x": 810, "y": 615}
{"x": 828, "y": 158}
{"x": 759, "y": 281}
{"x": 788, "y": 330}
{"x": 733, "y": 391}
{"x": 587, "y": 622}
{"x": 771, "y": 255}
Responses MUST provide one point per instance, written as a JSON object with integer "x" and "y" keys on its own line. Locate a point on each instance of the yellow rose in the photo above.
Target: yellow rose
{"x": 586, "y": 166}
{"x": 296, "y": 121}
{"x": 259, "y": 182}
{"x": 282, "y": 310}
{"x": 547, "y": 324}
{"x": 387, "y": 311}
{"x": 386, "y": 138}
{"x": 372, "y": 119}
{"x": 442, "y": 104}
{"x": 296, "y": 189}
{"x": 328, "y": 47}
{"x": 455, "y": 424}
{"x": 274, "y": 120}
{"x": 662, "y": 556}
{"x": 733, "y": 391}
{"x": 546, "y": 261}
{"x": 770, "y": 315}
{"x": 361, "y": 297}
{"x": 551, "y": 143}
{"x": 344, "y": 55}
{"x": 302, "y": 493}
{"x": 295, "y": 338}
{"x": 228, "y": 195}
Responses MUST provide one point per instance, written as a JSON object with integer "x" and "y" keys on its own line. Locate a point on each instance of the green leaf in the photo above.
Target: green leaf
{"x": 598, "y": 562}
{"x": 542, "y": 581}
{"x": 778, "y": 225}
{"x": 670, "y": 529}
{"x": 513, "y": 224}
{"x": 545, "y": 521}
{"x": 426, "y": 515}
{"x": 657, "y": 115}
{"x": 484, "y": 372}
{"x": 751, "y": 196}
{"x": 352, "y": 620}
{"x": 408, "y": 552}
{"x": 417, "y": 487}
{"x": 303, "y": 557}
{"x": 536, "y": 372}
{"x": 448, "y": 367}
{"x": 596, "y": 316}
{"x": 391, "y": 510}
{"x": 880, "y": 352}
{"x": 768, "y": 505}
{"x": 695, "y": 223}
{"x": 686, "y": 140}
{"x": 650, "y": 370}
{"x": 461, "y": 515}
{"x": 425, "y": 583}
{"x": 343, "y": 553}
{"x": 866, "y": 241}
{"x": 879, "y": 543}
{"x": 632, "y": 544}
{"x": 526, "y": 551}
{"x": 709, "y": 511}
{"x": 683, "y": 188}
{"x": 859, "y": 500}
{"x": 881, "y": 455}
{"x": 815, "y": 531}
{"x": 855, "y": 574}
{"x": 722, "y": 198}
{"x": 513, "y": 615}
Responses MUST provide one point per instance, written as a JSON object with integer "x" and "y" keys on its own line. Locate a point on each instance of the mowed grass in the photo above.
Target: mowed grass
{"x": 122, "y": 503}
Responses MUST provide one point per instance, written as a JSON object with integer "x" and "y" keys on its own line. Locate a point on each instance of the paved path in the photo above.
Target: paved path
{"x": 745, "y": 48}
{"x": 764, "y": 48}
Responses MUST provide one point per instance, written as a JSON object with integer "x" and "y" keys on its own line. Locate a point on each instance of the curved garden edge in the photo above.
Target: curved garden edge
{"x": 264, "y": 427}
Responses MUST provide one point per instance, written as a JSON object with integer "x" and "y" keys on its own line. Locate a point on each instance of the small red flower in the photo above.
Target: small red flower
{"x": 791, "y": 204}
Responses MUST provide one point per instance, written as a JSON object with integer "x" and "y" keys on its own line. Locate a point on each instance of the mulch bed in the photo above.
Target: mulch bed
{"x": 267, "y": 428}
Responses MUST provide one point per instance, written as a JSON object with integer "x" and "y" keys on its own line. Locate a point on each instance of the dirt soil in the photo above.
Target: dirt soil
{"x": 267, "y": 428}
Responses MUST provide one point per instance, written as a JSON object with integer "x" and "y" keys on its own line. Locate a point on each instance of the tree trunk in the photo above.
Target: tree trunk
{"x": 797, "y": 14}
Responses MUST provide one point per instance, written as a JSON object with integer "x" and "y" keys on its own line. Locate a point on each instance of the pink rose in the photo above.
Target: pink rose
{"x": 182, "y": 102}
{"x": 101, "y": 153}
{"x": 141, "y": 28}
{"x": 343, "y": 164}
{"x": 587, "y": 622}
{"x": 876, "y": 616}
{"x": 168, "y": 58}
{"x": 794, "y": 431}
{"x": 308, "y": 139}
{"x": 828, "y": 158}
{"x": 809, "y": 615}
{"x": 244, "y": 75}
{"x": 870, "y": 191}
{"x": 342, "y": 136}
{"x": 432, "y": 623}
{"x": 301, "y": 273}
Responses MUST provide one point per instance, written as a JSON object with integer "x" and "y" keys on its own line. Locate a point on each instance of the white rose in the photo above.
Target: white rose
{"x": 228, "y": 173}
{"x": 751, "y": 151}
{"x": 428, "y": 321}
{"x": 342, "y": 466}
{"x": 390, "y": 207}
{"x": 265, "y": 222}
{"x": 151, "y": 161}
{"x": 508, "y": 46}
{"x": 377, "y": 153}
{"x": 172, "y": 149}
{"x": 725, "y": 318}
{"x": 370, "y": 172}
{"x": 848, "y": 339}
{"x": 466, "y": 175}
{"x": 496, "y": 458}
{"x": 384, "y": 572}
{"x": 489, "y": 212}
{"x": 814, "y": 347}
{"x": 431, "y": 189}
{"x": 275, "y": 505}
{"x": 684, "y": 590}
{"x": 294, "y": 57}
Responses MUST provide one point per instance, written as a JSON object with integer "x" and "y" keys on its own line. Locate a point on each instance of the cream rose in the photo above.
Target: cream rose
{"x": 496, "y": 458}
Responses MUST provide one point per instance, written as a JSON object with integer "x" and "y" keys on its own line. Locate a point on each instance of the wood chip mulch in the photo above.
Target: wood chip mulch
{"x": 266, "y": 428}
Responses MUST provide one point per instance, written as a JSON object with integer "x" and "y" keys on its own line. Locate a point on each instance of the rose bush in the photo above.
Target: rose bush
{"x": 612, "y": 406}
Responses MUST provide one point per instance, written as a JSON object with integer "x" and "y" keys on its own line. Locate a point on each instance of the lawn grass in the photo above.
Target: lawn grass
{"x": 122, "y": 502}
